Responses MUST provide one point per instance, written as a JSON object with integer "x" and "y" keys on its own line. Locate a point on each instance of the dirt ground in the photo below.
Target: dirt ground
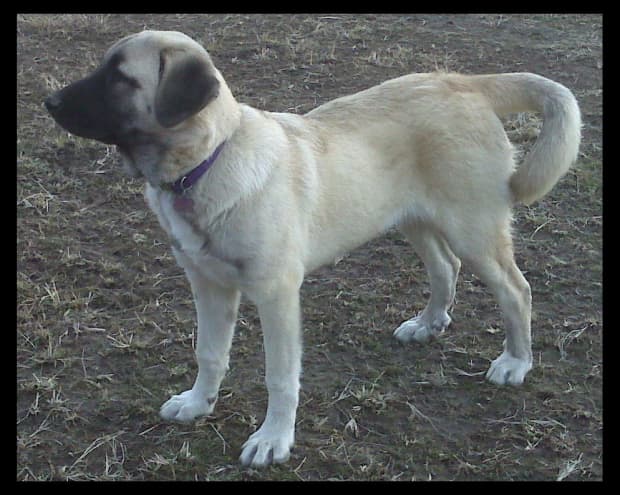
{"x": 105, "y": 323}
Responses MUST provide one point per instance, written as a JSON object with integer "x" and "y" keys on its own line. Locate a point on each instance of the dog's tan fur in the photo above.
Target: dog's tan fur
{"x": 425, "y": 153}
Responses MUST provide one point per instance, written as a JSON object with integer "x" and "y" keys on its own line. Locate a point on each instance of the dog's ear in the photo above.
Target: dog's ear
{"x": 186, "y": 85}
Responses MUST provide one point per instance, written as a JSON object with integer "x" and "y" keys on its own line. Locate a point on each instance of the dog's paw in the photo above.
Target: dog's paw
{"x": 266, "y": 447}
{"x": 420, "y": 329}
{"x": 186, "y": 407}
{"x": 508, "y": 370}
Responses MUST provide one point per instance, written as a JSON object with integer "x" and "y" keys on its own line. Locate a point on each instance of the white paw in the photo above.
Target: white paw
{"x": 186, "y": 407}
{"x": 420, "y": 329}
{"x": 508, "y": 370}
{"x": 266, "y": 446}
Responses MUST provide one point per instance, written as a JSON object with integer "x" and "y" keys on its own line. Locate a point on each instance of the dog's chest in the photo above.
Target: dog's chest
{"x": 183, "y": 234}
{"x": 192, "y": 248}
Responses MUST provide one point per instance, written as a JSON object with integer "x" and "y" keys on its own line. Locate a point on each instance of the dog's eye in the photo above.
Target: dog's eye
{"x": 162, "y": 65}
{"x": 119, "y": 77}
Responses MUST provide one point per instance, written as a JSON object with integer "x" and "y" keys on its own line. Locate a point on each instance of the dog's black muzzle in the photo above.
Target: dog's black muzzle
{"x": 83, "y": 109}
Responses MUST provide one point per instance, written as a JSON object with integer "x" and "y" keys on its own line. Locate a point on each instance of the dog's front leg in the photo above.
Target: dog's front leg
{"x": 216, "y": 309}
{"x": 281, "y": 321}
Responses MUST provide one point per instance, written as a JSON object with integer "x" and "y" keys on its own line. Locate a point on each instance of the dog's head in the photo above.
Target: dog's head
{"x": 147, "y": 84}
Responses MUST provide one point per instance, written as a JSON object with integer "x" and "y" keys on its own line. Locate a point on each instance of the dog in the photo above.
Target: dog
{"x": 254, "y": 200}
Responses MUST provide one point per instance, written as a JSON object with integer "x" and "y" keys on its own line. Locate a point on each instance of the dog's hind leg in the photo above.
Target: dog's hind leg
{"x": 489, "y": 253}
{"x": 512, "y": 291}
{"x": 443, "y": 268}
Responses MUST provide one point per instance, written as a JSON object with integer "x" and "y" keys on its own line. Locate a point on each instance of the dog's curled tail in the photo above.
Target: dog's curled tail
{"x": 557, "y": 145}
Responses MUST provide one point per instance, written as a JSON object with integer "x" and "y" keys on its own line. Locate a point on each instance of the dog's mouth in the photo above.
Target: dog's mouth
{"x": 79, "y": 123}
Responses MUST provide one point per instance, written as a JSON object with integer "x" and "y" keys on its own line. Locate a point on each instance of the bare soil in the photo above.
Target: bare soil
{"x": 105, "y": 323}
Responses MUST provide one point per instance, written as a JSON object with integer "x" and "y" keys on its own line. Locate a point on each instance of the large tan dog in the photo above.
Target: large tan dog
{"x": 253, "y": 200}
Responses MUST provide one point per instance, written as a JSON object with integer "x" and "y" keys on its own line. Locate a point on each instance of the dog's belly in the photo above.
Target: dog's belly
{"x": 328, "y": 244}
{"x": 352, "y": 222}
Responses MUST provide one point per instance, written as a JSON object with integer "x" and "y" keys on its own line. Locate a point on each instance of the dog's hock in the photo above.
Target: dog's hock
{"x": 186, "y": 85}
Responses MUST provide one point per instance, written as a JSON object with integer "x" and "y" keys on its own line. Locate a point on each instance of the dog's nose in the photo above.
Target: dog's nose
{"x": 53, "y": 102}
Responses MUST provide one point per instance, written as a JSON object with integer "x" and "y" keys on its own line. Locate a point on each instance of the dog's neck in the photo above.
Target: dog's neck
{"x": 182, "y": 202}
{"x": 241, "y": 170}
{"x": 187, "y": 181}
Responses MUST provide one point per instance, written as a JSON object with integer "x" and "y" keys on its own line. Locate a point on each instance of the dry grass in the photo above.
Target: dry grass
{"x": 105, "y": 323}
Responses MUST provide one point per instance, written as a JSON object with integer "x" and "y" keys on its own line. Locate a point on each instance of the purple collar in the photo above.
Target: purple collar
{"x": 185, "y": 183}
